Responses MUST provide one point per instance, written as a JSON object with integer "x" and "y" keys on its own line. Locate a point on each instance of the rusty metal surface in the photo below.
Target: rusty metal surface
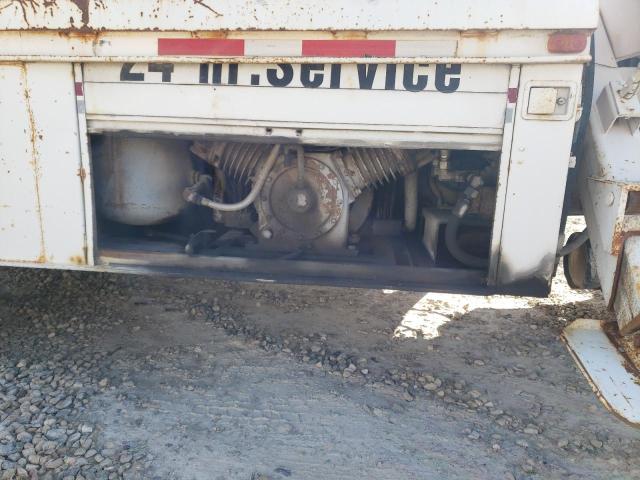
{"x": 565, "y": 59}
{"x": 322, "y": 204}
{"x": 194, "y": 15}
{"x": 21, "y": 230}
{"x": 265, "y": 46}
{"x": 42, "y": 219}
{"x": 611, "y": 376}
{"x": 365, "y": 168}
{"x": 35, "y": 159}
{"x": 626, "y": 297}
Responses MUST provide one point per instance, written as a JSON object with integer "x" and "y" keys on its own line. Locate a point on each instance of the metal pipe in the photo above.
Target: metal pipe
{"x": 191, "y": 195}
{"x": 300, "y": 158}
{"x": 410, "y": 201}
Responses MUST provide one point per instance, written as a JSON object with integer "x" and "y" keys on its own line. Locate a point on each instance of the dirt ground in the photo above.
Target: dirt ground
{"x": 114, "y": 376}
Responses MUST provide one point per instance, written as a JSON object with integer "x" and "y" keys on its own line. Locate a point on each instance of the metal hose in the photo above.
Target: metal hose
{"x": 191, "y": 195}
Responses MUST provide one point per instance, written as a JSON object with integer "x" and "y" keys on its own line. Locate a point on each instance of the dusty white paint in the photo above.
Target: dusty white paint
{"x": 501, "y": 46}
{"x": 474, "y": 117}
{"x": 41, "y": 200}
{"x": 535, "y": 186}
{"x": 301, "y": 14}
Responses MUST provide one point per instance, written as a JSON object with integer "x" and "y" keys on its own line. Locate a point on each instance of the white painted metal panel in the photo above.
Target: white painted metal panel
{"x": 415, "y": 46}
{"x": 86, "y": 168}
{"x": 299, "y": 14}
{"x": 53, "y": 102}
{"x": 537, "y": 176}
{"x": 349, "y": 107}
{"x": 611, "y": 166}
{"x": 312, "y": 134}
{"x": 473, "y": 78}
{"x": 621, "y": 21}
{"x": 21, "y": 238}
{"x": 605, "y": 368}
{"x": 502, "y": 178}
{"x": 43, "y": 217}
{"x": 476, "y": 107}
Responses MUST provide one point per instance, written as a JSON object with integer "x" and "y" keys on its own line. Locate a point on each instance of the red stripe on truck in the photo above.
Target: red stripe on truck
{"x": 200, "y": 46}
{"x": 348, "y": 48}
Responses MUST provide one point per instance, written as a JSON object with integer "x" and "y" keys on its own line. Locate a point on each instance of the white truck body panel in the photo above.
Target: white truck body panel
{"x": 536, "y": 165}
{"x": 609, "y": 174}
{"x": 500, "y": 46}
{"x": 206, "y": 15}
{"x": 41, "y": 186}
{"x": 620, "y": 18}
{"x": 475, "y": 111}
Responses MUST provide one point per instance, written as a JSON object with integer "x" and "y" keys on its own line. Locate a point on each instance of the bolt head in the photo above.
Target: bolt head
{"x": 300, "y": 200}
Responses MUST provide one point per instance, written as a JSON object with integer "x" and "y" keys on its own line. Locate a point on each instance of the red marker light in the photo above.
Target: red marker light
{"x": 567, "y": 42}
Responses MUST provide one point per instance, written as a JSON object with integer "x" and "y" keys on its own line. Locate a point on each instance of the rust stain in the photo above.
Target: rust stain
{"x": 26, "y": 6}
{"x": 208, "y": 7}
{"x": 210, "y": 34}
{"x": 83, "y": 6}
{"x": 39, "y": 259}
{"x": 482, "y": 35}
{"x": 619, "y": 236}
{"x": 616, "y": 337}
{"x": 618, "y": 270}
{"x": 35, "y": 160}
{"x": 44, "y": 7}
{"x": 82, "y": 174}
{"x": 86, "y": 36}
{"x": 77, "y": 260}
{"x": 349, "y": 34}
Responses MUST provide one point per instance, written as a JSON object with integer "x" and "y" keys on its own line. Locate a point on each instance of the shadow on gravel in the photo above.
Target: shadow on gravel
{"x": 106, "y": 376}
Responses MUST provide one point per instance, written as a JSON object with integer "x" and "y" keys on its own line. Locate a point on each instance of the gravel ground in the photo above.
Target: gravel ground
{"x": 113, "y": 376}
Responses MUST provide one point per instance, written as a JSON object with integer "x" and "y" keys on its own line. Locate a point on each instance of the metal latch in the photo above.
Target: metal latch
{"x": 549, "y": 100}
{"x": 620, "y": 101}
{"x": 542, "y": 100}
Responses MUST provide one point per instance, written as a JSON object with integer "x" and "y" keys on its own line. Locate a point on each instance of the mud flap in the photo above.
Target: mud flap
{"x": 611, "y": 375}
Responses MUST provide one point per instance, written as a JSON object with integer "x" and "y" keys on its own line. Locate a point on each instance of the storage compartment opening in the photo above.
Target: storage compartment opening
{"x": 412, "y": 218}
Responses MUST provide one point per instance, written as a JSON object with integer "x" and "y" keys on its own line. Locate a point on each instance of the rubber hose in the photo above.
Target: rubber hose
{"x": 576, "y": 243}
{"x": 451, "y": 241}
